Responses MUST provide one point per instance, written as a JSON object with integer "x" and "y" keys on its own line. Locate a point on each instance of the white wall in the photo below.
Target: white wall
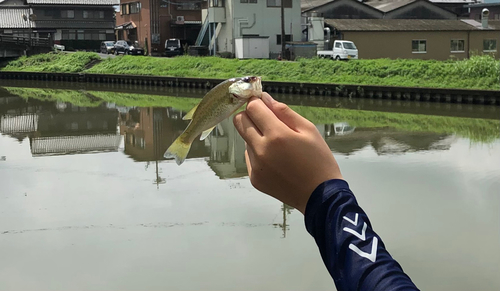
{"x": 267, "y": 23}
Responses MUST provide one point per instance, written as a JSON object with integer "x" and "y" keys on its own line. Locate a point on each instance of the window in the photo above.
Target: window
{"x": 189, "y": 6}
{"x": 457, "y": 45}
{"x": 102, "y": 35}
{"x": 80, "y": 35}
{"x": 125, "y": 9}
{"x": 93, "y": 14}
{"x": 248, "y": 1}
{"x": 338, "y": 45}
{"x": 135, "y": 7}
{"x": 21, "y": 33}
{"x": 216, "y": 3}
{"x": 68, "y": 14}
{"x": 497, "y": 16}
{"x": 277, "y": 3}
{"x": 69, "y": 34}
{"x": 418, "y": 46}
{"x": 489, "y": 45}
{"x": 288, "y": 37}
{"x": 349, "y": 46}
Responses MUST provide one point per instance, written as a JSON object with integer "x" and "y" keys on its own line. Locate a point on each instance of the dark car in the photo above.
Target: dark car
{"x": 173, "y": 47}
{"x": 127, "y": 47}
{"x": 107, "y": 47}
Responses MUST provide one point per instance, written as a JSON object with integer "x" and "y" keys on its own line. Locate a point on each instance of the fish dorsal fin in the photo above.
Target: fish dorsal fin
{"x": 190, "y": 114}
{"x": 206, "y": 133}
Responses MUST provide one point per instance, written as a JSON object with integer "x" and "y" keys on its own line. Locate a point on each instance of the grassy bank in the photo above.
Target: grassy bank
{"x": 479, "y": 72}
{"x": 477, "y": 130}
{"x": 52, "y": 62}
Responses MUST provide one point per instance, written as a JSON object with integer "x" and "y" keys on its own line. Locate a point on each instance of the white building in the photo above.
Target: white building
{"x": 257, "y": 22}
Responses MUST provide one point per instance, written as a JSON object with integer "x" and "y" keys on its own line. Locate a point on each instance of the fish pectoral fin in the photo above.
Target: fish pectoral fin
{"x": 206, "y": 133}
{"x": 190, "y": 114}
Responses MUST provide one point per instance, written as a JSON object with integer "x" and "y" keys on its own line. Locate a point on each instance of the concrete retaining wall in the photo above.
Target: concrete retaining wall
{"x": 486, "y": 97}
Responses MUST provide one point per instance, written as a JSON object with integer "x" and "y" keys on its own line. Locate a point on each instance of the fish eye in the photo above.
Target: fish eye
{"x": 246, "y": 79}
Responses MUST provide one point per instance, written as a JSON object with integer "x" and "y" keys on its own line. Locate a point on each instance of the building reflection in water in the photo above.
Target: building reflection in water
{"x": 149, "y": 131}
{"x": 344, "y": 139}
{"x": 227, "y": 151}
{"x": 285, "y": 210}
{"x": 60, "y": 128}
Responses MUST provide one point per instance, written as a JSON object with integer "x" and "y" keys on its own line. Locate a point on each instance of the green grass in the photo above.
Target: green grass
{"x": 477, "y": 130}
{"x": 478, "y": 72}
{"x": 141, "y": 100}
{"x": 52, "y": 62}
{"x": 79, "y": 98}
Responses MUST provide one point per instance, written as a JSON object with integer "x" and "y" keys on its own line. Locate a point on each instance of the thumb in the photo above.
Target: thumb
{"x": 284, "y": 113}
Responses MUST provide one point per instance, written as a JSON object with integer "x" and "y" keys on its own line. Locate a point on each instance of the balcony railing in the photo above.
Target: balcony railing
{"x": 23, "y": 40}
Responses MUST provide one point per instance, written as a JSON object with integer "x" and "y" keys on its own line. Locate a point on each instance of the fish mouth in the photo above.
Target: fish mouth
{"x": 246, "y": 87}
{"x": 257, "y": 86}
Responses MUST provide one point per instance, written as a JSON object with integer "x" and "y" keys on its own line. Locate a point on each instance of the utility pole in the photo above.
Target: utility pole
{"x": 283, "y": 30}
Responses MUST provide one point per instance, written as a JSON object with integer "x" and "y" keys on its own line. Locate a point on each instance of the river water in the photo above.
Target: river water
{"x": 88, "y": 203}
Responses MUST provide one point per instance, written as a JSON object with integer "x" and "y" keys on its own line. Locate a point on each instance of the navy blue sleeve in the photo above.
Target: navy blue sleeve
{"x": 353, "y": 253}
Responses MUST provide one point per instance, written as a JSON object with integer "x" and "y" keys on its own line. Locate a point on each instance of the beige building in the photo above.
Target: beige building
{"x": 418, "y": 38}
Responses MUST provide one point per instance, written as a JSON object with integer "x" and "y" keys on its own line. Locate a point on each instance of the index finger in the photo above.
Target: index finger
{"x": 263, "y": 118}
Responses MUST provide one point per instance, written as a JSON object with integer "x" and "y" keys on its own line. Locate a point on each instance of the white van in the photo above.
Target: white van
{"x": 342, "y": 50}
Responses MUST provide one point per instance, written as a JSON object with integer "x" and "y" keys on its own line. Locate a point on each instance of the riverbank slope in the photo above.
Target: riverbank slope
{"x": 479, "y": 72}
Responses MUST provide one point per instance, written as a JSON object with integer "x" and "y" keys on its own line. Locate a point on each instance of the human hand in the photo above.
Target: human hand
{"x": 286, "y": 156}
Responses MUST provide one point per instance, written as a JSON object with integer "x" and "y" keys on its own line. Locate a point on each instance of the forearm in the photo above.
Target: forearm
{"x": 353, "y": 253}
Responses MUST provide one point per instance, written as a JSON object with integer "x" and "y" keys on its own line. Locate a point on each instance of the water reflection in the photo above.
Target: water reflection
{"x": 62, "y": 128}
{"x": 286, "y": 210}
{"x": 435, "y": 178}
{"x": 59, "y": 128}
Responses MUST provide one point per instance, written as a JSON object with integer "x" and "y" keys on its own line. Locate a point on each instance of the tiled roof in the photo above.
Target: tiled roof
{"x": 388, "y": 5}
{"x": 492, "y": 24}
{"x": 13, "y": 17}
{"x": 308, "y": 4}
{"x": 382, "y": 5}
{"x": 75, "y": 2}
{"x": 400, "y": 25}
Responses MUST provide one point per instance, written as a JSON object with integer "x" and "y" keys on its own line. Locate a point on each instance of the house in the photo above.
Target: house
{"x": 459, "y": 7}
{"x": 249, "y": 26}
{"x": 418, "y": 38}
{"x": 152, "y": 22}
{"x": 77, "y": 24}
{"x": 379, "y": 9}
{"x": 416, "y": 29}
{"x": 148, "y": 132}
{"x": 410, "y": 9}
{"x": 492, "y": 5}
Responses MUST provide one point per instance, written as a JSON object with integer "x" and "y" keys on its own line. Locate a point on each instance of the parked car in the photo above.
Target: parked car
{"x": 127, "y": 47}
{"x": 342, "y": 50}
{"x": 107, "y": 47}
{"x": 173, "y": 47}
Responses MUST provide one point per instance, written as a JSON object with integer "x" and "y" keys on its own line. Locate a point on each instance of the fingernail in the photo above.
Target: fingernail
{"x": 268, "y": 100}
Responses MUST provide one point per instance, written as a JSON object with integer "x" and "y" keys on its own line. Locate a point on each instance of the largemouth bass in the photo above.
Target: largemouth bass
{"x": 217, "y": 105}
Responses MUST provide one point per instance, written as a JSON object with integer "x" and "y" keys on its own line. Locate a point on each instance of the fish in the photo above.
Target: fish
{"x": 218, "y": 104}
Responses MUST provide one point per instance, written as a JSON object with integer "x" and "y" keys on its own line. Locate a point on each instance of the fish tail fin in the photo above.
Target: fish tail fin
{"x": 178, "y": 150}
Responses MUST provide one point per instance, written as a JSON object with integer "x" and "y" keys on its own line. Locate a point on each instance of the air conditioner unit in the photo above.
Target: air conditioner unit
{"x": 180, "y": 19}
